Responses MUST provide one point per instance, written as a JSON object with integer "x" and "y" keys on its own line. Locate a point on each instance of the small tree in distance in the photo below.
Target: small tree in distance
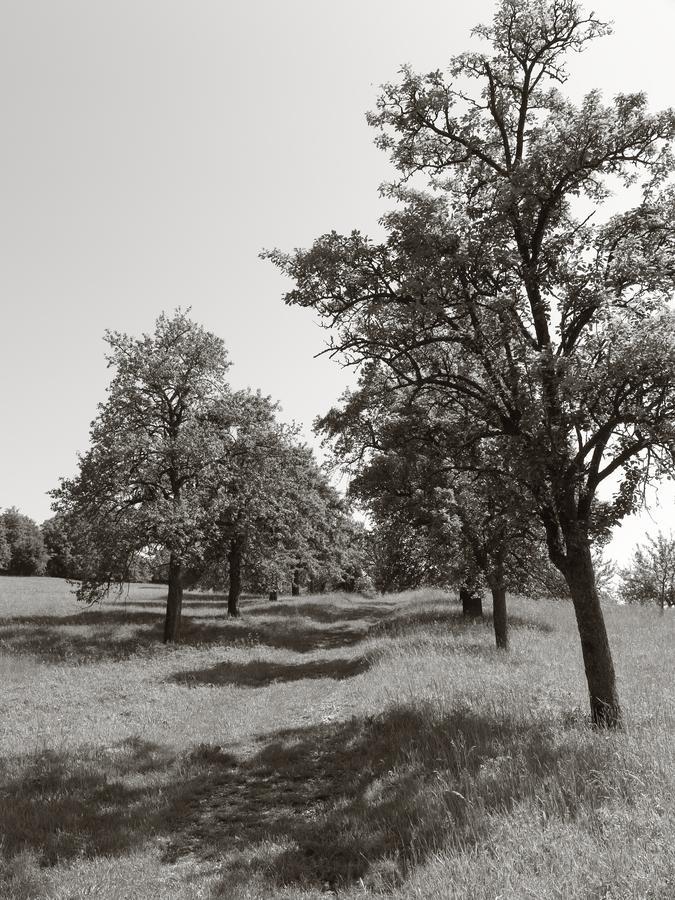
{"x": 24, "y": 551}
{"x": 650, "y": 577}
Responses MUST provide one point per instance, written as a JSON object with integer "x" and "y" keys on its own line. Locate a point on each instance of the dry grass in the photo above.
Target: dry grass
{"x": 326, "y": 745}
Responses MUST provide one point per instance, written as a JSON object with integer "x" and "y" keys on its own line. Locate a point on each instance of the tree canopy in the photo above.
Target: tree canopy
{"x": 159, "y": 444}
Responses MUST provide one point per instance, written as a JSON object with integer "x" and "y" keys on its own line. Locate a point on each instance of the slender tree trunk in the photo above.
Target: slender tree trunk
{"x": 234, "y": 562}
{"x": 597, "y": 656}
{"x": 499, "y": 617}
{"x": 295, "y": 585}
{"x": 472, "y": 602}
{"x": 174, "y": 601}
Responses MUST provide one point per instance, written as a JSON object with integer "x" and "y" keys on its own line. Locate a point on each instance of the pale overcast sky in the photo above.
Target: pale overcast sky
{"x": 151, "y": 148}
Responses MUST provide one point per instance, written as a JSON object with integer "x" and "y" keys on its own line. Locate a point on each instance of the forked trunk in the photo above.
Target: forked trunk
{"x": 499, "y": 617}
{"x": 597, "y": 656}
{"x": 234, "y": 591}
{"x": 174, "y": 601}
{"x": 472, "y": 602}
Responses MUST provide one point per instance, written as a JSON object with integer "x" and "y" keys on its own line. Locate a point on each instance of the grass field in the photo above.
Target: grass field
{"x": 326, "y": 745}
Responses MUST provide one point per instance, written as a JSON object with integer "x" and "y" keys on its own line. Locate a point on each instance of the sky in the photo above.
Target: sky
{"x": 151, "y": 150}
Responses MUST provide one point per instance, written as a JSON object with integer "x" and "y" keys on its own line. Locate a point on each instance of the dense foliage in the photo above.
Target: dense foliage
{"x": 22, "y": 550}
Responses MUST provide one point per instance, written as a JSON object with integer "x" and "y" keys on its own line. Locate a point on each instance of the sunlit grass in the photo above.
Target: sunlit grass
{"x": 331, "y": 743}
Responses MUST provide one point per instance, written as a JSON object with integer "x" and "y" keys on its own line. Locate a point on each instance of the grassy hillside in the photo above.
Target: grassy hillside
{"x": 326, "y": 745}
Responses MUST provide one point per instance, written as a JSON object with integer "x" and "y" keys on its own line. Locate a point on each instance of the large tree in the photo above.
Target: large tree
{"x": 505, "y": 290}
{"x": 161, "y": 441}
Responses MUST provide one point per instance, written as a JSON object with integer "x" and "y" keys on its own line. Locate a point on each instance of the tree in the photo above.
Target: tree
{"x": 5, "y": 550}
{"x": 417, "y": 468}
{"x": 278, "y": 518}
{"x": 159, "y": 445}
{"x": 23, "y": 540}
{"x": 500, "y": 292}
{"x": 650, "y": 577}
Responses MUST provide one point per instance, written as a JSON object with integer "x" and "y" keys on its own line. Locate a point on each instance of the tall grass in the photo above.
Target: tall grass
{"x": 327, "y": 745}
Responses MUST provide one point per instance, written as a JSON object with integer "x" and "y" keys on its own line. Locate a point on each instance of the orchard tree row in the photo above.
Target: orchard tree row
{"x": 187, "y": 475}
{"x": 515, "y": 337}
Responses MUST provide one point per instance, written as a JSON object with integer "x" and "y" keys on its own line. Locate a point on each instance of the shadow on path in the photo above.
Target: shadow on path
{"x": 325, "y": 612}
{"x": 449, "y": 621}
{"x": 259, "y": 673}
{"x": 333, "y": 803}
{"x": 118, "y": 634}
{"x": 122, "y": 630}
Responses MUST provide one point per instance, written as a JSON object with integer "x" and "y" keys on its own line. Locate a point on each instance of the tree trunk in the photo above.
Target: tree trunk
{"x": 295, "y": 585}
{"x": 174, "y": 601}
{"x": 472, "y": 602}
{"x": 597, "y": 656}
{"x": 274, "y": 595}
{"x": 499, "y": 617}
{"x": 234, "y": 562}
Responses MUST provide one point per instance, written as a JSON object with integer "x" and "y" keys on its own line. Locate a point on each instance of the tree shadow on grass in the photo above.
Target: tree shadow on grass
{"x": 372, "y": 797}
{"x": 325, "y": 612}
{"x": 259, "y": 673}
{"x": 449, "y": 621}
{"x": 364, "y": 799}
{"x": 118, "y": 634}
{"x": 54, "y": 645}
{"x": 118, "y": 616}
{"x": 63, "y": 806}
{"x": 160, "y": 605}
{"x": 291, "y": 635}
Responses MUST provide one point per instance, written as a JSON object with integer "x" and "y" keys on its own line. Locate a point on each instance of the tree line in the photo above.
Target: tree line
{"x": 515, "y": 340}
{"x": 197, "y": 484}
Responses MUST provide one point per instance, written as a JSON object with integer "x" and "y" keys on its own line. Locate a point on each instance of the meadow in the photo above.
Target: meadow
{"x": 326, "y": 745}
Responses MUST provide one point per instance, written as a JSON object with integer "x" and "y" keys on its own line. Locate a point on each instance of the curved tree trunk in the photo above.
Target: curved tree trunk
{"x": 472, "y": 602}
{"x": 499, "y": 616}
{"x": 174, "y": 601}
{"x": 597, "y": 656}
{"x": 234, "y": 563}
